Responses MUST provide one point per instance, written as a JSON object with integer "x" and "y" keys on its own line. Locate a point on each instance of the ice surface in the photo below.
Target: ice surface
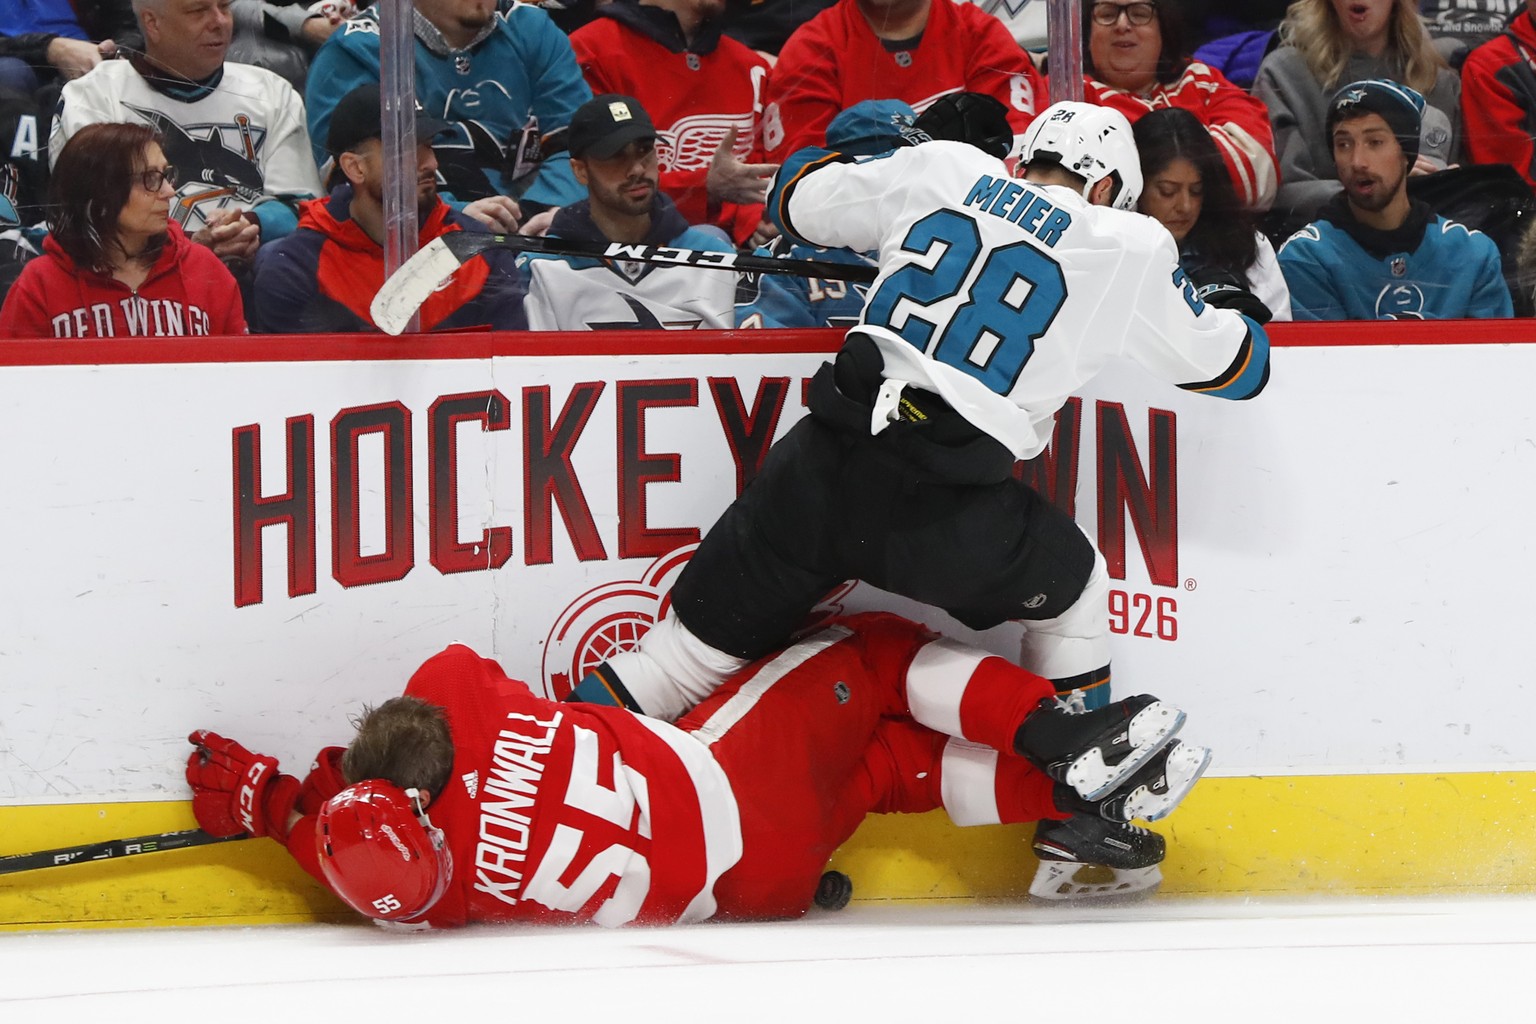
{"x": 1165, "y": 960}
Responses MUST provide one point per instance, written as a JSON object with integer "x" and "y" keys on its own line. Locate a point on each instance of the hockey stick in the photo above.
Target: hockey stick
{"x": 419, "y": 276}
{"x": 111, "y": 849}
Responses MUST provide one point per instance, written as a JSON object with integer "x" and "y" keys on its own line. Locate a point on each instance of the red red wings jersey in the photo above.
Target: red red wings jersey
{"x": 1238, "y": 123}
{"x": 693, "y": 99}
{"x": 835, "y": 60}
{"x": 546, "y": 819}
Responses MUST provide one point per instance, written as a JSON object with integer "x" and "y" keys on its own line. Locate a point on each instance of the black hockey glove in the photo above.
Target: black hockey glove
{"x": 1230, "y": 296}
{"x": 972, "y": 117}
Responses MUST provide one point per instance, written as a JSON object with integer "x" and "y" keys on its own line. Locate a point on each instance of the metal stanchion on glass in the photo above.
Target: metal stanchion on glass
{"x": 397, "y": 87}
{"x": 1064, "y": 58}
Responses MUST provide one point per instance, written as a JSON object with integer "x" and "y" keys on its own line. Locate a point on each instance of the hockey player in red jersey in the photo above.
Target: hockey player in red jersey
{"x": 471, "y": 799}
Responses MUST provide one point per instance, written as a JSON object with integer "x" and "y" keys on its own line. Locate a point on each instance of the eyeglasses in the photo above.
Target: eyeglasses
{"x": 154, "y": 178}
{"x": 1139, "y": 13}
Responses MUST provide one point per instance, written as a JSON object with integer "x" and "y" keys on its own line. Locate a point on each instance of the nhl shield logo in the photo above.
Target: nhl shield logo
{"x": 1399, "y": 266}
{"x": 903, "y": 59}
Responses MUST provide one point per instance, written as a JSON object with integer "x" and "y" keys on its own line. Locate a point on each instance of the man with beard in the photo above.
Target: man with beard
{"x": 322, "y": 277}
{"x": 613, "y": 153}
{"x": 502, "y": 82}
{"x": 704, "y": 91}
{"x": 1374, "y": 253}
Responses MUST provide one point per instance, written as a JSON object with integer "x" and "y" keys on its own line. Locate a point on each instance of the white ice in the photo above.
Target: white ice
{"x": 1167, "y": 959}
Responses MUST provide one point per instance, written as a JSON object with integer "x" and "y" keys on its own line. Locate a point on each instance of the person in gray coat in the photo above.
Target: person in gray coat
{"x": 1326, "y": 44}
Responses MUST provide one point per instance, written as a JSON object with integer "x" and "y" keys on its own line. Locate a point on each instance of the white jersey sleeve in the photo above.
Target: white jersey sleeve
{"x": 1005, "y": 296}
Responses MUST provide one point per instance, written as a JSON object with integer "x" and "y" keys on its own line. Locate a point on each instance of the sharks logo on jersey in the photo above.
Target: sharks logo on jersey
{"x": 219, "y": 163}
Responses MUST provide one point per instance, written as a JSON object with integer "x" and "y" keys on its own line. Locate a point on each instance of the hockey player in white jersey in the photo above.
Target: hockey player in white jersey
{"x": 996, "y": 299}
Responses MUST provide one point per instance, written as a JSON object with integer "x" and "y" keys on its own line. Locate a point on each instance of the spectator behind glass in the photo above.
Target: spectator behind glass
{"x": 613, "y": 152}
{"x": 704, "y": 91}
{"x": 324, "y": 276}
{"x": 1135, "y": 61}
{"x": 493, "y": 77}
{"x": 1328, "y": 43}
{"x": 1498, "y": 98}
{"x": 1187, "y": 189}
{"x": 235, "y": 132}
{"x": 911, "y": 50}
{"x": 1374, "y": 253}
{"x": 114, "y": 264}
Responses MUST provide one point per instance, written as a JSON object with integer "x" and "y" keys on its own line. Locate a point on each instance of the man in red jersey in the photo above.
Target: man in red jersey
{"x": 470, "y": 799}
{"x": 704, "y": 93}
{"x": 911, "y": 50}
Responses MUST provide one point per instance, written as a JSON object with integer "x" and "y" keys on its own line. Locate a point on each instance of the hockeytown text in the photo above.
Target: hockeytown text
{"x": 1131, "y": 483}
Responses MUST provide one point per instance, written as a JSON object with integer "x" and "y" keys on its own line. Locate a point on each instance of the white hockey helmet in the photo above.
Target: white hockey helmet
{"x": 1091, "y": 141}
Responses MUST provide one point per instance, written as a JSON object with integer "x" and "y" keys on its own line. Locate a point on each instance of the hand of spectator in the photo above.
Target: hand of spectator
{"x": 766, "y": 232}
{"x": 1424, "y": 165}
{"x": 539, "y": 223}
{"x": 499, "y": 213}
{"x": 731, "y": 181}
{"x": 231, "y": 235}
{"x": 74, "y": 57}
{"x": 317, "y": 28}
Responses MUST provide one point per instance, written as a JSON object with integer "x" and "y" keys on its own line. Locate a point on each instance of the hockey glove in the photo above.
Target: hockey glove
{"x": 323, "y": 781}
{"x": 234, "y": 790}
{"x": 1231, "y": 296}
{"x": 972, "y": 117}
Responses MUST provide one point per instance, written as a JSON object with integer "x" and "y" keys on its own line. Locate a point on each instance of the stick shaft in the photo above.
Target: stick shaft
{"x": 670, "y": 255}
{"x": 110, "y": 849}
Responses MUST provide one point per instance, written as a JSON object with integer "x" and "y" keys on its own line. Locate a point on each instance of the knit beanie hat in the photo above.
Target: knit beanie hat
{"x": 1401, "y": 107}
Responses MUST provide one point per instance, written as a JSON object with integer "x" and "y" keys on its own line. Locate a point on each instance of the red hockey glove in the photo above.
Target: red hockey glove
{"x": 323, "y": 781}
{"x": 234, "y": 790}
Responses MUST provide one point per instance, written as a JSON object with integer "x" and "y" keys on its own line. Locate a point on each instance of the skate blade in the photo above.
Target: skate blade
{"x": 1185, "y": 766}
{"x": 1058, "y": 882}
{"x": 1148, "y": 732}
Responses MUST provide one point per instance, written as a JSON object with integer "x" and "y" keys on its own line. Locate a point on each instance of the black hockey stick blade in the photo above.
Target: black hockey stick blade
{"x": 111, "y": 849}
{"x": 432, "y": 264}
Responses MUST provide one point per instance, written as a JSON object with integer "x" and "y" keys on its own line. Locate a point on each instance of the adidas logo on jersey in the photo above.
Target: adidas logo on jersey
{"x": 472, "y": 783}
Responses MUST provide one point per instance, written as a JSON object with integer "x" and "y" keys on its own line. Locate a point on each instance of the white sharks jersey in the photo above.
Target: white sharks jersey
{"x": 1005, "y": 296}
{"x": 234, "y": 144}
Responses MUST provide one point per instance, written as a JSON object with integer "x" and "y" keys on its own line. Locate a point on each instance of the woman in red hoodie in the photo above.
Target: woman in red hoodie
{"x": 114, "y": 265}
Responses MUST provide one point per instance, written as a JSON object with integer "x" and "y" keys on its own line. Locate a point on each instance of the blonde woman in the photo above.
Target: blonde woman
{"x": 1327, "y": 43}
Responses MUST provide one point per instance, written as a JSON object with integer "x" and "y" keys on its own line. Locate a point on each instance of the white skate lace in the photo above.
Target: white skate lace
{"x": 1074, "y": 703}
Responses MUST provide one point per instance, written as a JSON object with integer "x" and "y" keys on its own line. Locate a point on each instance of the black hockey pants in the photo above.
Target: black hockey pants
{"x": 928, "y": 509}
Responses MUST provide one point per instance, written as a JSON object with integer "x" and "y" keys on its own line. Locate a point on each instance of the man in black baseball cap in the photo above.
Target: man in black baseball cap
{"x": 606, "y": 124}
{"x": 322, "y": 277}
{"x": 359, "y": 117}
{"x": 612, "y": 142}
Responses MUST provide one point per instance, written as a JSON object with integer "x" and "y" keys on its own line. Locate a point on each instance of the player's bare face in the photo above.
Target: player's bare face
{"x": 1175, "y": 195}
{"x": 189, "y": 37}
{"x": 1124, "y": 53}
{"x": 145, "y": 213}
{"x": 1369, "y": 162}
{"x": 624, "y": 184}
{"x": 1365, "y": 22}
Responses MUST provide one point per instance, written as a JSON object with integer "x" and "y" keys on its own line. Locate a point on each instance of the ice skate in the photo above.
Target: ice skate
{"x": 1155, "y": 790}
{"x": 1088, "y": 858}
{"x": 1095, "y": 752}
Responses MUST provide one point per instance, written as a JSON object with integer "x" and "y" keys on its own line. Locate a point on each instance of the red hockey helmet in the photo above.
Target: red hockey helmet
{"x": 380, "y": 853}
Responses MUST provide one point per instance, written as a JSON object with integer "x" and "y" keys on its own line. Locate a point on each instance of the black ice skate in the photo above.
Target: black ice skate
{"x": 1095, "y": 752}
{"x": 1088, "y": 858}
{"x": 1156, "y": 789}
